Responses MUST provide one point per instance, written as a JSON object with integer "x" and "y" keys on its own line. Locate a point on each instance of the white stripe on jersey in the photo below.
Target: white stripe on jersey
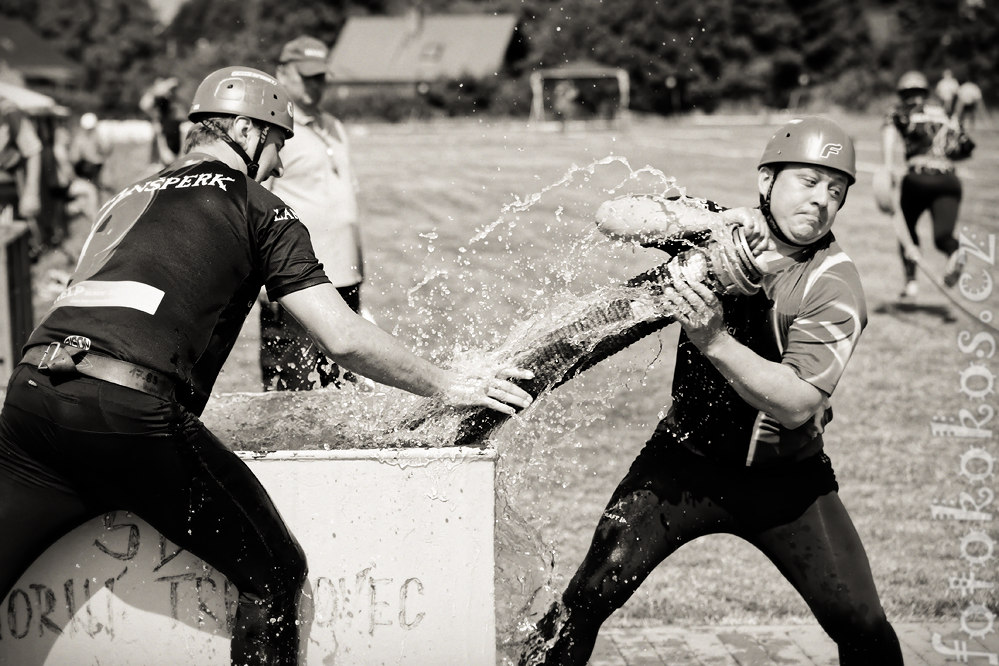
{"x": 842, "y": 347}
{"x": 110, "y": 294}
{"x": 827, "y": 263}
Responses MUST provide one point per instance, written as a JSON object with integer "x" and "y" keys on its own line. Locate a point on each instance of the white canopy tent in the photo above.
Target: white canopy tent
{"x": 29, "y": 100}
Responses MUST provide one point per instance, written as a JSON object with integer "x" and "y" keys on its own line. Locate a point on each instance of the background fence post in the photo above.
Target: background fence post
{"x": 16, "y": 312}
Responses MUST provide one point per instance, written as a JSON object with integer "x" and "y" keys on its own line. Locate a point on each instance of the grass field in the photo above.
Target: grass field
{"x": 458, "y": 252}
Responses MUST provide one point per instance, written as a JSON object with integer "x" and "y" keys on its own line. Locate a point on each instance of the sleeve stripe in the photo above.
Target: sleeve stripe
{"x": 823, "y": 268}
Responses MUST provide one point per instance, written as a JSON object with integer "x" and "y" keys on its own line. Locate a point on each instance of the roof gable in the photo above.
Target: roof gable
{"x": 407, "y": 49}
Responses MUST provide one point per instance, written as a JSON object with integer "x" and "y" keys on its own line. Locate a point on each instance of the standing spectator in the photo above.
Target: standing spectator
{"x": 969, "y": 103}
{"x": 930, "y": 182}
{"x": 88, "y": 152}
{"x": 102, "y": 412}
{"x": 20, "y": 170}
{"x": 89, "y": 149}
{"x": 564, "y": 101}
{"x": 946, "y": 90}
{"x": 57, "y": 178}
{"x": 318, "y": 182}
{"x": 159, "y": 103}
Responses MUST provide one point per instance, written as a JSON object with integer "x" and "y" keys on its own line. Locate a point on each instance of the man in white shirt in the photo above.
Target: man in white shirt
{"x": 319, "y": 183}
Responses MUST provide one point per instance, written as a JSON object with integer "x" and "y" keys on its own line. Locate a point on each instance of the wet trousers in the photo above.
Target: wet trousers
{"x": 938, "y": 193}
{"x": 672, "y": 496}
{"x": 289, "y": 358}
{"x": 74, "y": 448}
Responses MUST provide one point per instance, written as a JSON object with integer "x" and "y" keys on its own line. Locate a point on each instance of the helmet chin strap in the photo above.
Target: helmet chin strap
{"x": 252, "y": 164}
{"x": 772, "y": 223}
{"x": 769, "y": 216}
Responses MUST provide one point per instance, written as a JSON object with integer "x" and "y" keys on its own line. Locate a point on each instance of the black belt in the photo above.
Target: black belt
{"x": 57, "y": 358}
{"x": 930, "y": 170}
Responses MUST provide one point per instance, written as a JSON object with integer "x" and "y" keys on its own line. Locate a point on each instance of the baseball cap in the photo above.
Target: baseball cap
{"x": 308, "y": 54}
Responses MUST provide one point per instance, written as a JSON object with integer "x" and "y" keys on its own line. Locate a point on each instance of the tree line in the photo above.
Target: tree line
{"x": 680, "y": 54}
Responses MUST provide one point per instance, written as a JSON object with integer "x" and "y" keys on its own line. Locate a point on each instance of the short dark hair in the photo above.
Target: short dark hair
{"x": 202, "y": 133}
{"x": 207, "y": 129}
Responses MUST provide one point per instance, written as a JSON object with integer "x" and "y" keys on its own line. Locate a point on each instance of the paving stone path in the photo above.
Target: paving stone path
{"x": 794, "y": 645}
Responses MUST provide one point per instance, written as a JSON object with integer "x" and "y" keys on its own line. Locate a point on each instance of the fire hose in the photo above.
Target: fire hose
{"x": 718, "y": 256}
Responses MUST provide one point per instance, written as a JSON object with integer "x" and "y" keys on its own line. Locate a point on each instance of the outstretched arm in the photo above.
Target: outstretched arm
{"x": 359, "y": 345}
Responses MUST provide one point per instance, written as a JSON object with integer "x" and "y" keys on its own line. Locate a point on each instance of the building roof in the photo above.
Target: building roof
{"x": 25, "y": 51}
{"x": 413, "y": 48}
{"x": 165, "y": 10}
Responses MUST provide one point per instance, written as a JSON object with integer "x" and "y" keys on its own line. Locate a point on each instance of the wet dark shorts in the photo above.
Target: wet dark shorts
{"x": 756, "y": 498}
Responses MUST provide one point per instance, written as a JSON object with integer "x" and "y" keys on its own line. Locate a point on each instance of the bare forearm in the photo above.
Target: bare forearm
{"x": 359, "y": 345}
{"x": 379, "y": 356}
{"x": 146, "y": 102}
{"x": 768, "y": 386}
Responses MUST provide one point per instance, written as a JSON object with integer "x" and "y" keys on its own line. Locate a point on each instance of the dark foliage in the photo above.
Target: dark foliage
{"x": 679, "y": 54}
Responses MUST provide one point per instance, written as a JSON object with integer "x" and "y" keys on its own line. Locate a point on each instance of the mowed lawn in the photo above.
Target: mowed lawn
{"x": 458, "y": 252}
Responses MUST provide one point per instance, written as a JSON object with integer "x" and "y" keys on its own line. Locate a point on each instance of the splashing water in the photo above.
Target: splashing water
{"x": 536, "y": 270}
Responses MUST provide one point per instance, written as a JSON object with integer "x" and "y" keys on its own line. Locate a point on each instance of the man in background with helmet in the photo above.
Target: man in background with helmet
{"x": 102, "y": 412}
{"x": 740, "y": 450}
{"x": 932, "y": 141}
{"x": 318, "y": 182}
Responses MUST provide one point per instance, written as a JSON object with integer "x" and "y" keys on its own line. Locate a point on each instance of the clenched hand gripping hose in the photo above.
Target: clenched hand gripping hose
{"x": 706, "y": 249}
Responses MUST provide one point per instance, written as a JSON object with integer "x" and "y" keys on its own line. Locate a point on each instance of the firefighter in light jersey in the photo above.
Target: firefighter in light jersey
{"x": 102, "y": 412}
{"x": 740, "y": 450}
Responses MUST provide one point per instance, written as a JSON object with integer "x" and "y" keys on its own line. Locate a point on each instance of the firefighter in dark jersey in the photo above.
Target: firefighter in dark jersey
{"x": 931, "y": 183}
{"x": 740, "y": 450}
{"x": 102, "y": 411}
